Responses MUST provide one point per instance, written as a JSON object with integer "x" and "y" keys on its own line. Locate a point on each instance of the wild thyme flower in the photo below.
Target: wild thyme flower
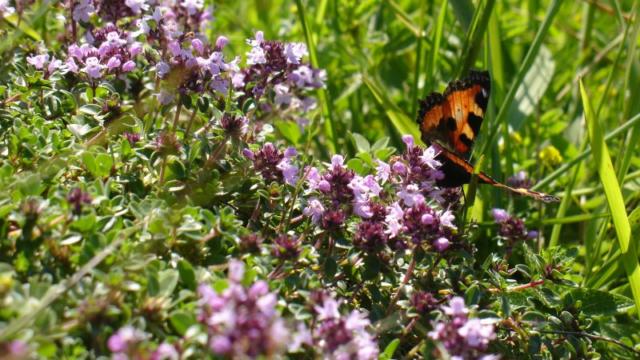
{"x": 242, "y": 322}
{"x": 286, "y": 247}
{"x": 82, "y": 10}
{"x": 109, "y": 51}
{"x": 41, "y": 62}
{"x": 512, "y": 229}
{"x": 132, "y": 138}
{"x": 124, "y": 344}
{"x": 423, "y": 302}
{"x": 342, "y": 337}
{"x": 519, "y": 180}
{"x": 234, "y": 125}
{"x": 462, "y": 337}
{"x": 77, "y": 198}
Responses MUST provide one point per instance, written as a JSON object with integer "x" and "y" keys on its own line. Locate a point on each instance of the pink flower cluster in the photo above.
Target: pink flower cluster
{"x": 109, "y": 50}
{"x": 242, "y": 322}
{"x": 463, "y": 337}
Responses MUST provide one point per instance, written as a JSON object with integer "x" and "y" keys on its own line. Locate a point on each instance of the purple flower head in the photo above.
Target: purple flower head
{"x": 286, "y": 247}
{"x": 393, "y": 220}
{"x": 113, "y": 63}
{"x": 408, "y": 141}
{"x": 332, "y": 219}
{"x": 456, "y": 307}
{"x": 461, "y": 336}
{"x": 162, "y": 69}
{"x": 266, "y": 161}
{"x": 423, "y": 302}
{"x": 132, "y": 138}
{"x": 441, "y": 244}
{"x": 77, "y": 198}
{"x": 93, "y": 68}
{"x": 429, "y": 158}
{"x": 294, "y": 52}
{"x": 192, "y": 6}
{"x": 137, "y": 6}
{"x": 500, "y": 215}
{"x": 242, "y": 322}
{"x": 343, "y": 337}
{"x": 370, "y": 236}
{"x": 234, "y": 126}
{"x": 128, "y": 66}
{"x": 126, "y": 339}
{"x": 383, "y": 171}
{"x": 165, "y": 351}
{"x": 82, "y": 11}
{"x": 221, "y": 42}
{"x": 38, "y": 61}
{"x": 314, "y": 210}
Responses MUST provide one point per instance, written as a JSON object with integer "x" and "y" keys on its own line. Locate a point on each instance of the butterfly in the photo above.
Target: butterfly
{"x": 452, "y": 121}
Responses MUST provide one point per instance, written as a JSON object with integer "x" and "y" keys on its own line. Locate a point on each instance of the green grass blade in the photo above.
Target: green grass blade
{"x": 473, "y": 40}
{"x": 524, "y": 68}
{"x": 435, "y": 48}
{"x": 323, "y": 94}
{"x": 405, "y": 19}
{"x": 418, "y": 69}
{"x": 614, "y": 198}
{"x": 464, "y": 12}
{"x": 399, "y": 120}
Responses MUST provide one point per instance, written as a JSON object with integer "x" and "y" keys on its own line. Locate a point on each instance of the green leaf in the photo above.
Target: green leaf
{"x": 614, "y": 197}
{"x": 388, "y": 352}
{"x": 168, "y": 279}
{"x": 181, "y": 321}
{"x": 187, "y": 275}
{"x": 289, "y": 130}
{"x": 596, "y": 302}
{"x": 360, "y": 142}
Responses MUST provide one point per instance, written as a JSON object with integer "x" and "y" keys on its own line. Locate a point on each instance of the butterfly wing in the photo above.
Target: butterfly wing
{"x": 454, "y": 118}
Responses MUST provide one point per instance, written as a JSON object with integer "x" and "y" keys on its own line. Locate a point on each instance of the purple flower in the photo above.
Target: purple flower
{"x": 314, "y": 210}
{"x": 221, "y": 42}
{"x": 256, "y": 56}
{"x": 393, "y": 220}
{"x": 162, "y": 69}
{"x": 38, "y": 61}
{"x": 519, "y": 180}
{"x": 460, "y": 336}
{"x": 125, "y": 339}
{"x": 164, "y": 97}
{"x": 137, "y": 6}
{"x": 477, "y": 333}
{"x": 192, "y": 6}
{"x": 128, "y": 66}
{"x": 456, "y": 307}
{"x": 165, "y": 351}
{"x": 441, "y": 244}
{"x": 132, "y": 138}
{"x": 113, "y": 63}
{"x": 93, "y": 68}
{"x": 286, "y": 247}
{"x": 242, "y": 322}
{"x": 294, "y": 52}
{"x": 234, "y": 125}
{"x": 383, "y": 171}
{"x": 408, "y": 141}
{"x": 198, "y": 46}
{"x": 500, "y": 215}
{"x": 411, "y": 195}
{"x": 77, "y": 198}
{"x": 447, "y": 218}
{"x": 54, "y": 65}
{"x": 343, "y": 337}
{"x": 289, "y": 171}
{"x": 83, "y": 10}
{"x": 429, "y": 157}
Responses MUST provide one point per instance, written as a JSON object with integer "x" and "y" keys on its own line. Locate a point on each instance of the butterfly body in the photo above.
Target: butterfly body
{"x": 452, "y": 121}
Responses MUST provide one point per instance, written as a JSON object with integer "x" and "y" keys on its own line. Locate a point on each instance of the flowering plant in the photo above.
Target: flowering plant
{"x": 179, "y": 184}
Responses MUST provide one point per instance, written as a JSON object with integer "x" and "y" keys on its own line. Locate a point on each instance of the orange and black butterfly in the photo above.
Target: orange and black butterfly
{"x": 452, "y": 120}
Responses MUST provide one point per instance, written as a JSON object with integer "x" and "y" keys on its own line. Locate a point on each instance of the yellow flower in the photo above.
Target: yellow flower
{"x": 550, "y": 156}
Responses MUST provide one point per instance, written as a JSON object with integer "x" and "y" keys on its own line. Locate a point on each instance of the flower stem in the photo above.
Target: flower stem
{"x": 405, "y": 280}
{"x": 186, "y": 132}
